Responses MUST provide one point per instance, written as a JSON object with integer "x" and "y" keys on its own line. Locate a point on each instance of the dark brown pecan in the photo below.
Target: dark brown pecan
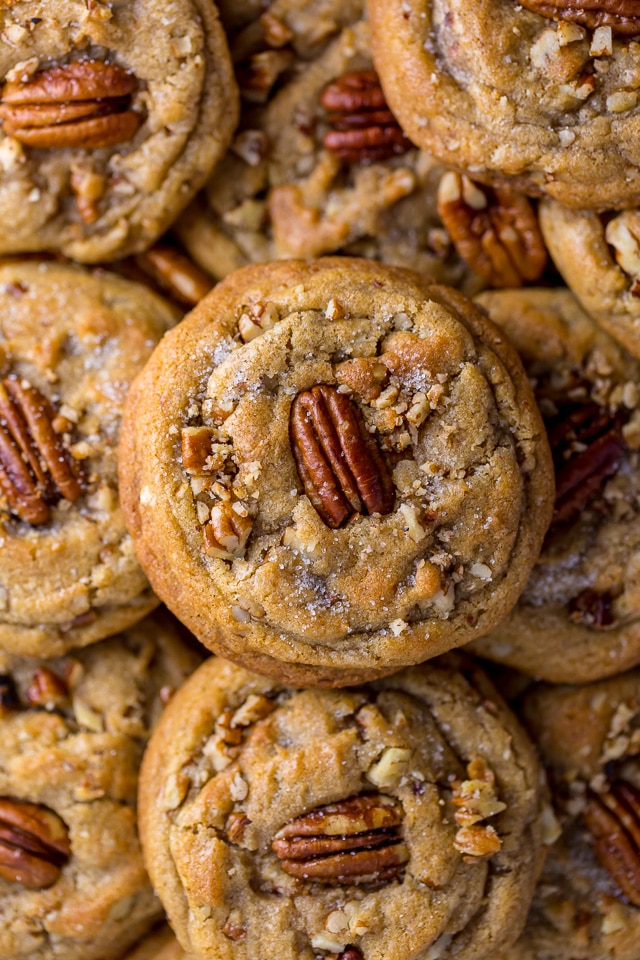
{"x": 593, "y": 609}
{"x": 84, "y": 104}
{"x": 35, "y": 467}
{"x": 353, "y": 841}
{"x": 363, "y": 127}
{"x": 588, "y": 447}
{"x": 613, "y": 819}
{"x": 351, "y": 953}
{"x": 622, "y": 16}
{"x": 338, "y": 462}
{"x": 9, "y": 699}
{"x": 34, "y": 843}
{"x": 495, "y": 230}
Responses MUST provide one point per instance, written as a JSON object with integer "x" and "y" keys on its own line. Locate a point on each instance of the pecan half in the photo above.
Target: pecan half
{"x": 34, "y": 843}
{"x": 35, "y": 467}
{"x": 353, "y": 841}
{"x": 338, "y": 462}
{"x": 621, "y": 15}
{"x": 495, "y": 230}
{"x": 175, "y": 273}
{"x": 588, "y": 447}
{"x": 613, "y": 819}
{"x": 84, "y": 104}
{"x": 9, "y": 699}
{"x": 593, "y": 609}
{"x": 363, "y": 127}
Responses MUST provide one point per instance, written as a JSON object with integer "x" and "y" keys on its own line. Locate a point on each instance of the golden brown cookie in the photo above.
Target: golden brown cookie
{"x": 599, "y": 258}
{"x": 394, "y": 820}
{"x": 113, "y": 115}
{"x": 160, "y": 944}
{"x": 333, "y": 469}
{"x": 578, "y": 618}
{"x": 537, "y": 94}
{"x": 72, "y": 733}
{"x": 70, "y": 345}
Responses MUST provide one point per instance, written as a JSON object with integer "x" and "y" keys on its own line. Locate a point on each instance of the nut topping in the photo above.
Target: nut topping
{"x": 588, "y": 447}
{"x": 47, "y": 689}
{"x": 363, "y": 128}
{"x": 613, "y": 819}
{"x": 338, "y": 462}
{"x": 353, "y": 841}
{"x": 35, "y": 467}
{"x": 593, "y": 609}
{"x": 621, "y": 15}
{"x": 175, "y": 273}
{"x": 227, "y": 532}
{"x": 83, "y": 105}
{"x": 494, "y": 230}
{"x": 34, "y": 844}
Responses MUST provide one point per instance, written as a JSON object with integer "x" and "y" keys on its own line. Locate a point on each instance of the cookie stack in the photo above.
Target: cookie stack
{"x": 344, "y": 478}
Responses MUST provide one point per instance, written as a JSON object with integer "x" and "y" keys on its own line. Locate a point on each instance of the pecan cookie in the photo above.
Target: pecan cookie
{"x": 334, "y": 469}
{"x": 72, "y": 733}
{"x": 543, "y": 95}
{"x": 160, "y": 944}
{"x": 587, "y": 903}
{"x": 319, "y": 164}
{"x": 395, "y": 820}
{"x": 70, "y": 345}
{"x": 599, "y": 258}
{"x": 579, "y": 617}
{"x": 112, "y": 116}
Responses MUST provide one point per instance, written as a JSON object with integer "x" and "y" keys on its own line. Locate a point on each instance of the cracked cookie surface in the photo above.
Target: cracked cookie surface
{"x": 428, "y": 763}
{"x": 72, "y": 733}
{"x": 232, "y": 459}
{"x": 513, "y": 94}
{"x": 70, "y": 345}
{"x": 113, "y": 115}
{"x": 577, "y": 619}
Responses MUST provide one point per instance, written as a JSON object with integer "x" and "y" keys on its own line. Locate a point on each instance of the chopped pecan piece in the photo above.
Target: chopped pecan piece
{"x": 227, "y": 532}
{"x": 621, "y": 15}
{"x": 351, "y": 953}
{"x": 84, "y": 104}
{"x": 613, "y": 819}
{"x": 34, "y": 844}
{"x": 35, "y": 467}
{"x": 47, "y": 689}
{"x": 353, "y": 841}
{"x": 495, "y": 230}
{"x": 338, "y": 462}
{"x": 9, "y": 699}
{"x": 588, "y": 447}
{"x": 363, "y": 127}
{"x": 593, "y": 609}
{"x": 175, "y": 273}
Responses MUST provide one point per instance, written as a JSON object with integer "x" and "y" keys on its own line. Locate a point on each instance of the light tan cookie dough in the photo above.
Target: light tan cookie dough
{"x": 113, "y": 115}
{"x": 160, "y": 944}
{"x": 72, "y": 733}
{"x": 587, "y": 903}
{"x": 70, "y": 345}
{"x": 319, "y": 165}
{"x": 508, "y": 93}
{"x": 334, "y": 469}
{"x": 578, "y": 618}
{"x": 599, "y": 258}
{"x": 400, "y": 819}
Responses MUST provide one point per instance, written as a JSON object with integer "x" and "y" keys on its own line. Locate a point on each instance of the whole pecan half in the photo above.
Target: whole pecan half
{"x": 353, "y": 841}
{"x": 622, "y": 16}
{"x": 34, "y": 843}
{"x": 363, "y": 127}
{"x": 495, "y": 230}
{"x": 593, "y": 609}
{"x": 588, "y": 447}
{"x": 35, "y": 467}
{"x": 84, "y": 104}
{"x": 338, "y": 462}
{"x": 613, "y": 819}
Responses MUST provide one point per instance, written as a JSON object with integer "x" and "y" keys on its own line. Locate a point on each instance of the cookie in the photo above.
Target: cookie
{"x": 113, "y": 115}
{"x": 391, "y": 820}
{"x": 318, "y": 165}
{"x": 587, "y": 903}
{"x": 599, "y": 259}
{"x": 578, "y": 618}
{"x": 160, "y": 944}
{"x": 70, "y": 345}
{"x": 72, "y": 733}
{"x": 333, "y": 469}
{"x": 540, "y": 95}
